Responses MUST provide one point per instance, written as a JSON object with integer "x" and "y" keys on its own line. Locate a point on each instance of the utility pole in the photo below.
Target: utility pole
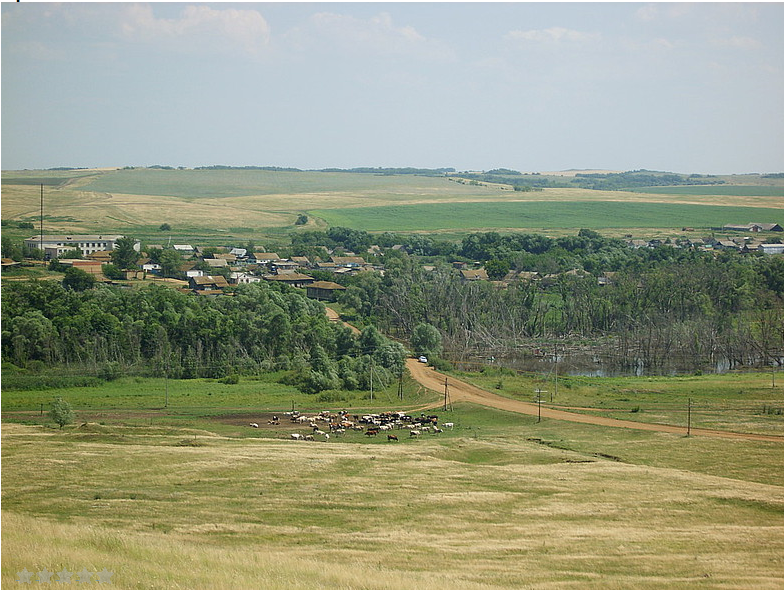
{"x": 400, "y": 385}
{"x": 688, "y": 418}
{"x": 539, "y": 393}
{"x": 42, "y": 218}
{"x": 446, "y": 391}
{"x": 166, "y": 381}
{"x": 556, "y": 374}
{"x": 371, "y": 377}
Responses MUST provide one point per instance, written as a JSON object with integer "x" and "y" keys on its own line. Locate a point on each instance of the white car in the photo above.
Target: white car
{"x": 423, "y": 359}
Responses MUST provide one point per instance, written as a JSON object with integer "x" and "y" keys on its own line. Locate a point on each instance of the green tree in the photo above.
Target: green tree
{"x": 78, "y": 280}
{"x": 12, "y": 249}
{"x": 170, "y": 261}
{"x": 426, "y": 340}
{"x": 110, "y": 271}
{"x": 165, "y": 227}
{"x": 61, "y": 412}
{"x": 125, "y": 254}
{"x": 497, "y": 269}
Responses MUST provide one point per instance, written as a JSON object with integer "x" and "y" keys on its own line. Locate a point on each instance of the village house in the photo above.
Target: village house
{"x": 54, "y": 246}
{"x": 208, "y": 285}
{"x": 754, "y": 227}
{"x": 301, "y": 261}
{"x": 771, "y": 248}
{"x": 324, "y": 290}
{"x": 243, "y": 278}
{"x": 102, "y": 256}
{"x": 91, "y": 267}
{"x": 474, "y": 275}
{"x": 293, "y": 279}
{"x": 150, "y": 267}
{"x": 216, "y": 262}
{"x": 263, "y": 257}
{"x": 348, "y": 261}
{"x": 282, "y": 266}
{"x": 725, "y": 245}
{"x": 229, "y": 258}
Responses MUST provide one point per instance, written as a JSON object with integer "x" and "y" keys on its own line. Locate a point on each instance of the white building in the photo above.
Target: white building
{"x": 54, "y": 246}
{"x": 772, "y": 248}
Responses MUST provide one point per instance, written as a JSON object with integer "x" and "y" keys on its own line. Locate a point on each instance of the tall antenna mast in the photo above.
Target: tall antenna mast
{"x": 42, "y": 217}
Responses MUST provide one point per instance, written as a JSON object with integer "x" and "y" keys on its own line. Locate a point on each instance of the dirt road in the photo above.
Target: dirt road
{"x": 462, "y": 391}
{"x": 335, "y": 317}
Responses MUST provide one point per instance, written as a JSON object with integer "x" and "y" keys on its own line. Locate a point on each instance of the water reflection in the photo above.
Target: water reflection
{"x": 606, "y": 365}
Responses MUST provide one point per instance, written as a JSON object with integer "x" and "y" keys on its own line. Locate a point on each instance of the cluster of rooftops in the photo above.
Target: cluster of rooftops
{"x": 233, "y": 266}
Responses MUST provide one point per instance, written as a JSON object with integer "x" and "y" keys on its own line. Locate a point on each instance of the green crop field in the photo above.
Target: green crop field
{"x": 724, "y": 190}
{"x": 238, "y": 183}
{"x": 575, "y": 214}
{"x": 237, "y": 205}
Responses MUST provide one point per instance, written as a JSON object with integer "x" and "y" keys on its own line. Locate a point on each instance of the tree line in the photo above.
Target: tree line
{"x": 658, "y": 302}
{"x": 108, "y": 331}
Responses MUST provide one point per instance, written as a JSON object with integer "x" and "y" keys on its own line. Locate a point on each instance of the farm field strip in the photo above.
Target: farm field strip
{"x": 539, "y": 214}
{"x": 243, "y": 202}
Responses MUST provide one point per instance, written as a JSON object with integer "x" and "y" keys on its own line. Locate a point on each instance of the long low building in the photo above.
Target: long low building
{"x": 55, "y": 246}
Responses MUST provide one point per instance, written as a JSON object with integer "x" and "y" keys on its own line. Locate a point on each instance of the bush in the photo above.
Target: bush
{"x": 61, "y": 412}
{"x": 333, "y": 395}
{"x": 111, "y": 371}
{"x": 441, "y": 365}
{"x": 232, "y": 379}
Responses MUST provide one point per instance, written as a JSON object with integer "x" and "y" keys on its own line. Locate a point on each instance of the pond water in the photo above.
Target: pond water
{"x": 605, "y": 365}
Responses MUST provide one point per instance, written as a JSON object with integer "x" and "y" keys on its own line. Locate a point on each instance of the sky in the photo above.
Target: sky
{"x": 692, "y": 88}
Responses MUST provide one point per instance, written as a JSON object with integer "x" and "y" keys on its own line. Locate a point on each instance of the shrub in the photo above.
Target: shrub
{"x": 61, "y": 412}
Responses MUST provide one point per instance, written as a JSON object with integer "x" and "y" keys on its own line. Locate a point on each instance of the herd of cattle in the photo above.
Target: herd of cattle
{"x": 326, "y": 424}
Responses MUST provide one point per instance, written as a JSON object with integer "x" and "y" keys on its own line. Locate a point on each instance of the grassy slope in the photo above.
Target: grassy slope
{"x": 225, "y": 205}
{"x": 485, "y": 508}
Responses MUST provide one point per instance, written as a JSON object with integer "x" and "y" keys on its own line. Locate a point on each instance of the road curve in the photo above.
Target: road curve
{"x": 462, "y": 391}
{"x": 335, "y": 317}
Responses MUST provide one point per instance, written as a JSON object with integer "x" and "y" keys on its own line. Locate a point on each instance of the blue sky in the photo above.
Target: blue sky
{"x": 474, "y": 86}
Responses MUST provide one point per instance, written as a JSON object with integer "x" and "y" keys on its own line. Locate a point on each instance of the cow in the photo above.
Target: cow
{"x": 371, "y": 432}
{"x": 391, "y": 437}
{"x": 449, "y": 425}
{"x": 296, "y": 436}
{"x": 254, "y": 425}
{"x": 414, "y": 433}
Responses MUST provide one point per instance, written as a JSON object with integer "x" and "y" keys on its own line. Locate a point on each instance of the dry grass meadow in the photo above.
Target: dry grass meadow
{"x": 197, "y": 510}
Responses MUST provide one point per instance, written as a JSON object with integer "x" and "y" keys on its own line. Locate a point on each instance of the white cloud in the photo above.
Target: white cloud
{"x": 198, "y": 28}
{"x": 378, "y": 35}
{"x": 738, "y": 42}
{"x": 668, "y": 11}
{"x": 554, "y": 35}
